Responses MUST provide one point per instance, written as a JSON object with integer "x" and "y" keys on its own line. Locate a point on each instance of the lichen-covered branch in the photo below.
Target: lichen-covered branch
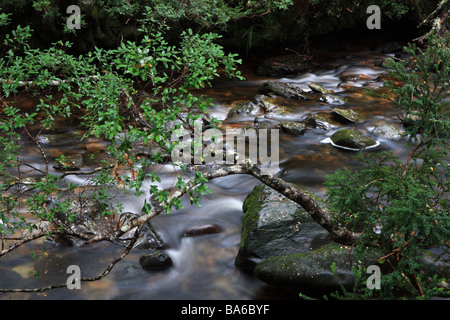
{"x": 303, "y": 198}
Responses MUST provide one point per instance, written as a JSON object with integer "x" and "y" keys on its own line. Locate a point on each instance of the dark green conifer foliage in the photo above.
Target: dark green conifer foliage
{"x": 401, "y": 205}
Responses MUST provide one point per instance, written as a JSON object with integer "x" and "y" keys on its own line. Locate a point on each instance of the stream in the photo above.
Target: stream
{"x": 203, "y": 266}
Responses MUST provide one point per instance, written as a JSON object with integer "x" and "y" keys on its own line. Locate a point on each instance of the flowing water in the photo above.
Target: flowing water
{"x": 203, "y": 266}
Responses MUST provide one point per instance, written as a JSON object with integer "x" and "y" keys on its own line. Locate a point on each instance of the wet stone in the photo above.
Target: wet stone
{"x": 309, "y": 269}
{"x": 346, "y": 115}
{"x": 202, "y": 230}
{"x": 296, "y": 128}
{"x": 267, "y": 103}
{"x": 69, "y": 162}
{"x": 318, "y": 88}
{"x": 332, "y": 99}
{"x": 322, "y": 121}
{"x": 274, "y": 225}
{"x": 352, "y": 139}
{"x": 157, "y": 260}
{"x": 244, "y": 108}
{"x": 282, "y": 89}
{"x": 387, "y": 131}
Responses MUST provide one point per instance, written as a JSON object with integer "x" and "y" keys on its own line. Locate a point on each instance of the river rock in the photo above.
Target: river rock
{"x": 332, "y": 99}
{"x": 346, "y": 115}
{"x": 245, "y": 108}
{"x": 149, "y": 239}
{"x": 318, "y": 88}
{"x": 155, "y": 260}
{"x": 295, "y": 128}
{"x": 264, "y": 122}
{"x": 286, "y": 65}
{"x": 321, "y": 120}
{"x": 86, "y": 217}
{"x": 70, "y": 162}
{"x": 310, "y": 270}
{"x": 387, "y": 131}
{"x": 266, "y": 102}
{"x": 274, "y": 225}
{"x": 351, "y": 139}
{"x": 202, "y": 230}
{"x": 282, "y": 89}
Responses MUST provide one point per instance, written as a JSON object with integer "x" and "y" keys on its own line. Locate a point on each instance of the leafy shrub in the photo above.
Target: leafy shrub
{"x": 101, "y": 86}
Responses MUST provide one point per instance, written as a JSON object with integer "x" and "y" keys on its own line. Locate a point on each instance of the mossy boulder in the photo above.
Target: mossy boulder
{"x": 311, "y": 269}
{"x": 351, "y": 139}
{"x": 274, "y": 225}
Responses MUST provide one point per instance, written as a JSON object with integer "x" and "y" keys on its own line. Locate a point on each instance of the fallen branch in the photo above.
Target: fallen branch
{"x": 319, "y": 214}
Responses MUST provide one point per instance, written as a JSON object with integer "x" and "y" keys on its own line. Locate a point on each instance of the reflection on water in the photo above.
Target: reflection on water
{"x": 204, "y": 265}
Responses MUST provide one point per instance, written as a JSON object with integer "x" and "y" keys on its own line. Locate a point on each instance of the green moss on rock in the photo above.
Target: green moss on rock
{"x": 309, "y": 269}
{"x": 352, "y": 139}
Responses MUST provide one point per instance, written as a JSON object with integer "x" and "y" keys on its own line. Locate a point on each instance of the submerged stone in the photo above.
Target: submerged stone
{"x": 202, "y": 230}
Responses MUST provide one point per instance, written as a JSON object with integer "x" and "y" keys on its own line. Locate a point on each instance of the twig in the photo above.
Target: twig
{"x": 431, "y": 15}
{"x": 410, "y": 156}
{"x": 418, "y": 285}
{"x": 23, "y": 241}
{"x": 79, "y": 173}
{"x": 40, "y": 148}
